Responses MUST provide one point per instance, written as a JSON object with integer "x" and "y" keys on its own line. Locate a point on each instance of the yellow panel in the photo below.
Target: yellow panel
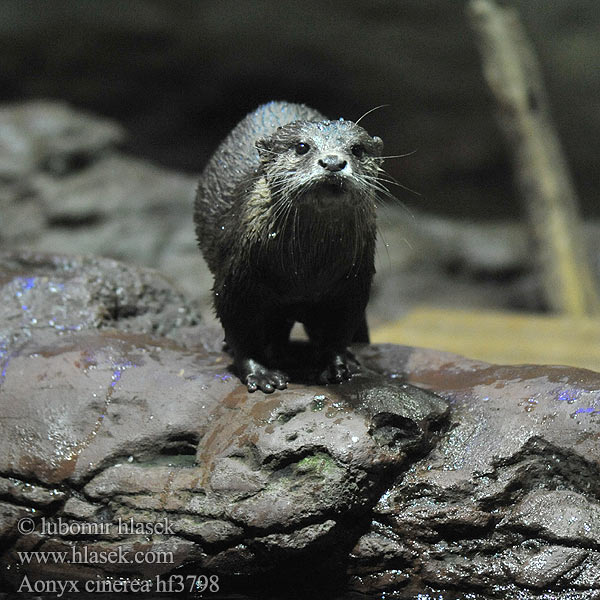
{"x": 501, "y": 338}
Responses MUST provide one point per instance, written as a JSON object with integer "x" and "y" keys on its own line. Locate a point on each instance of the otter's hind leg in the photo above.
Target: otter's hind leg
{"x": 331, "y": 329}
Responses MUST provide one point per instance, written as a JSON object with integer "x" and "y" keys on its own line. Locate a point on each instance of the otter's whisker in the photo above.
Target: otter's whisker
{"x": 370, "y": 111}
{"x": 399, "y": 155}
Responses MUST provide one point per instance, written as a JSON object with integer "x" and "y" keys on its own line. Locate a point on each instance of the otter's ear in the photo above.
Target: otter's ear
{"x": 265, "y": 148}
{"x": 378, "y": 143}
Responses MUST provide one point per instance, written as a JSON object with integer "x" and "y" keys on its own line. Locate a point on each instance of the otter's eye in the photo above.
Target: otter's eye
{"x": 302, "y": 148}
{"x": 358, "y": 150}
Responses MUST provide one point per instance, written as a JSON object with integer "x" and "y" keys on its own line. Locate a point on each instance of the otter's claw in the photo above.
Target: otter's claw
{"x": 341, "y": 367}
{"x": 266, "y": 380}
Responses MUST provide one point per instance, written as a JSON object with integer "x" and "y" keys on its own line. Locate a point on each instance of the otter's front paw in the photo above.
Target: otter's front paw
{"x": 267, "y": 381}
{"x": 257, "y": 377}
{"x": 340, "y": 368}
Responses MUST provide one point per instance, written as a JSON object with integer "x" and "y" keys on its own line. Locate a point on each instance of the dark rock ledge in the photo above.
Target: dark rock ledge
{"x": 118, "y": 404}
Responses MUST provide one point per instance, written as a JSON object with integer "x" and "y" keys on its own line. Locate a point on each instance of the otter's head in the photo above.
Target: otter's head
{"x": 321, "y": 163}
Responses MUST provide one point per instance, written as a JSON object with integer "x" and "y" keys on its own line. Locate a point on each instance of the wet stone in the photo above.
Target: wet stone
{"x": 29, "y": 494}
{"x": 506, "y": 502}
{"x": 541, "y": 568}
{"x": 426, "y": 474}
{"x": 560, "y": 515}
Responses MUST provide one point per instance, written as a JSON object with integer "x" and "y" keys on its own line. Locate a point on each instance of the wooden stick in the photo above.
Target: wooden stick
{"x": 513, "y": 74}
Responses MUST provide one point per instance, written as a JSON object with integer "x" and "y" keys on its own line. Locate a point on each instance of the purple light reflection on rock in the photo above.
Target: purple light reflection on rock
{"x": 119, "y": 367}
{"x": 568, "y": 396}
{"x": 223, "y": 376}
{"x": 590, "y": 409}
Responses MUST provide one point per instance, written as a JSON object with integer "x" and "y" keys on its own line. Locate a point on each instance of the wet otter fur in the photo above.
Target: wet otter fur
{"x": 285, "y": 218}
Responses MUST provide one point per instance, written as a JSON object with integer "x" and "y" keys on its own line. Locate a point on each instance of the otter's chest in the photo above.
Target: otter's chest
{"x": 316, "y": 254}
{"x": 311, "y": 274}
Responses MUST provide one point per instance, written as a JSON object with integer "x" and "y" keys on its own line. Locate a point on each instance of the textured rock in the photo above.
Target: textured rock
{"x": 121, "y": 421}
{"x": 508, "y": 500}
{"x": 50, "y": 137}
{"x": 66, "y": 188}
{"x": 43, "y": 295}
{"x": 138, "y": 427}
{"x": 119, "y": 411}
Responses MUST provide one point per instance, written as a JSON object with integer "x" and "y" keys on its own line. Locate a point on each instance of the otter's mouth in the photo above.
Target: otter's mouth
{"x": 334, "y": 184}
{"x": 331, "y": 193}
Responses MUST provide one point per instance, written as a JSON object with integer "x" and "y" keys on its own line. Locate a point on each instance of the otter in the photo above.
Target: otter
{"x": 285, "y": 218}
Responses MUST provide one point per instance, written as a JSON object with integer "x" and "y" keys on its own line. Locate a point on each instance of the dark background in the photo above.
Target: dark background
{"x": 178, "y": 74}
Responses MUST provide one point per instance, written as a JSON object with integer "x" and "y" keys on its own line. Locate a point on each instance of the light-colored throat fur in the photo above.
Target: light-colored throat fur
{"x": 306, "y": 240}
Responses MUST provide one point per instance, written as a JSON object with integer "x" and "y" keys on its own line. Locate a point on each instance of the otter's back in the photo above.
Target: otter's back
{"x": 234, "y": 161}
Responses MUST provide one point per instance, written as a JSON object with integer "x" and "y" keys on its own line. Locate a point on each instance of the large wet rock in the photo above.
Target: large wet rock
{"x": 106, "y": 421}
{"x": 123, "y": 431}
{"x": 507, "y": 504}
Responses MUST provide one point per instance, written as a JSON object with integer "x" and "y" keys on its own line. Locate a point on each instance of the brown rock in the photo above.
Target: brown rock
{"x": 107, "y": 424}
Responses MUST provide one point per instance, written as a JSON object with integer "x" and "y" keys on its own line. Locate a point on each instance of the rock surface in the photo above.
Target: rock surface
{"x": 507, "y": 502}
{"x": 66, "y": 188}
{"x": 117, "y": 407}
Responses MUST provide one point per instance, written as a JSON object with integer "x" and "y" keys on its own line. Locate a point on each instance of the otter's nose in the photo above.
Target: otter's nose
{"x": 332, "y": 162}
